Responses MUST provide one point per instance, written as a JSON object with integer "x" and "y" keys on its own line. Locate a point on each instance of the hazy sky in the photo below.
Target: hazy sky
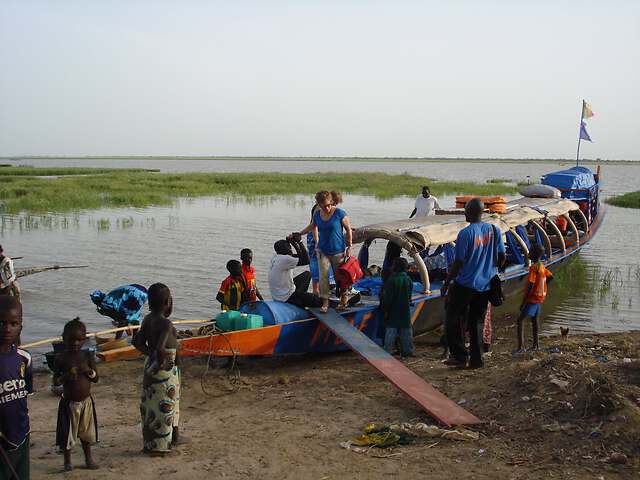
{"x": 397, "y": 78}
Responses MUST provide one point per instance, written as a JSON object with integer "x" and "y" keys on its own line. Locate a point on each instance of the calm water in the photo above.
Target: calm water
{"x": 187, "y": 245}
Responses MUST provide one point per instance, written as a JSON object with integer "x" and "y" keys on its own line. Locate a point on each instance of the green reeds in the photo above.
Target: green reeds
{"x": 628, "y": 200}
{"x": 141, "y": 189}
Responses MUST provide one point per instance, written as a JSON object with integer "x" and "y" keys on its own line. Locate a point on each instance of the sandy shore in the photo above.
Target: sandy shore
{"x": 285, "y": 418}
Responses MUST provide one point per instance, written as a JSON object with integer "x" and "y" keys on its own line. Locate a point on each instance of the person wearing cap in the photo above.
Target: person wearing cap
{"x": 426, "y": 204}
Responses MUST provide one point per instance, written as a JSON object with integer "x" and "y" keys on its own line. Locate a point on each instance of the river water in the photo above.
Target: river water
{"x": 188, "y": 244}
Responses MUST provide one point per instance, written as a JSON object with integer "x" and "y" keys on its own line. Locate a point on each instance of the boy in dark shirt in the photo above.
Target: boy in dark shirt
{"x": 76, "y": 370}
{"x": 233, "y": 290}
{"x": 396, "y": 304}
{"x": 16, "y": 382}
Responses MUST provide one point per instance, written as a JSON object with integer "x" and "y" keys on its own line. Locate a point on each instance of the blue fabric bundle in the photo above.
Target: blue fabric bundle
{"x": 122, "y": 304}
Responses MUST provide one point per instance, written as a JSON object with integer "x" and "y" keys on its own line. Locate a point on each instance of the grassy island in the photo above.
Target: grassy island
{"x": 628, "y": 200}
{"x": 38, "y": 190}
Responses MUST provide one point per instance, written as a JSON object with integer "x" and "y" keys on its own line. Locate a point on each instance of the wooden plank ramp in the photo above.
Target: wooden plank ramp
{"x": 438, "y": 406}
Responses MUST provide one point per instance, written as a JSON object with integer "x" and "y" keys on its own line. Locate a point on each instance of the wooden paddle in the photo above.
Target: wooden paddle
{"x": 104, "y": 332}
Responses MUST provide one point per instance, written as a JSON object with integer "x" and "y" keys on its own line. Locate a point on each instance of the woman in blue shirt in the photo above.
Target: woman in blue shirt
{"x": 331, "y": 226}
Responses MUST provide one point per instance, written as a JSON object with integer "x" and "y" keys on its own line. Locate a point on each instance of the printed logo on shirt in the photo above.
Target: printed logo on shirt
{"x": 11, "y": 390}
{"x": 23, "y": 368}
{"x": 484, "y": 240}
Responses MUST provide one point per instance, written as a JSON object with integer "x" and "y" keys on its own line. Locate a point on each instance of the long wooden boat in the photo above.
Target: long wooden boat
{"x": 291, "y": 330}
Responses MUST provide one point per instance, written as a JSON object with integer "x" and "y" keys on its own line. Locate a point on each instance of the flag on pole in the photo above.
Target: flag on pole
{"x": 586, "y": 110}
{"x": 583, "y": 132}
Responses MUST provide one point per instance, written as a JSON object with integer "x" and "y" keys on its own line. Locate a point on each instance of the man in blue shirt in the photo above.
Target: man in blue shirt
{"x": 476, "y": 263}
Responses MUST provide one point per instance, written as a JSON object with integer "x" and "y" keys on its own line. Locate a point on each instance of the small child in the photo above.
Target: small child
{"x": 249, "y": 275}
{"x": 160, "y": 400}
{"x": 76, "y": 370}
{"x": 16, "y": 382}
{"x": 396, "y": 303}
{"x": 233, "y": 290}
{"x": 535, "y": 293}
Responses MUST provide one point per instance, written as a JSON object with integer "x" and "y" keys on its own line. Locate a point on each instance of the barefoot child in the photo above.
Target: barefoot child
{"x": 76, "y": 370}
{"x": 15, "y": 384}
{"x": 160, "y": 401}
{"x": 535, "y": 293}
{"x": 396, "y": 303}
{"x": 249, "y": 274}
{"x": 233, "y": 289}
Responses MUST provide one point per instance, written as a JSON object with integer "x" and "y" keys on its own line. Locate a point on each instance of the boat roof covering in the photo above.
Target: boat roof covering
{"x": 416, "y": 234}
{"x": 574, "y": 178}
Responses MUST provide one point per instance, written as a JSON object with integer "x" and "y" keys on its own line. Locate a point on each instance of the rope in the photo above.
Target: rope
{"x": 233, "y": 372}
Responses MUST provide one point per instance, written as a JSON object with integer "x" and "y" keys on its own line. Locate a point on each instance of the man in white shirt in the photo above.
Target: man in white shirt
{"x": 283, "y": 285}
{"x": 8, "y": 284}
{"x": 426, "y": 204}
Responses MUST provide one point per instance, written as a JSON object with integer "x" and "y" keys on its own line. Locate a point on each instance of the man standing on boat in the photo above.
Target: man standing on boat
{"x": 284, "y": 287}
{"x": 426, "y": 204}
{"x": 471, "y": 273}
{"x": 8, "y": 283}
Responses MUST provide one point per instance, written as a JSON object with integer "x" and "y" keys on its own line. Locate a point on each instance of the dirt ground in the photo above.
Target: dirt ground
{"x": 568, "y": 415}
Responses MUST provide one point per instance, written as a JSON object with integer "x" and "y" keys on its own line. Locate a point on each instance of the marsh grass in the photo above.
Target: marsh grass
{"x": 141, "y": 189}
{"x": 499, "y": 180}
{"x": 628, "y": 200}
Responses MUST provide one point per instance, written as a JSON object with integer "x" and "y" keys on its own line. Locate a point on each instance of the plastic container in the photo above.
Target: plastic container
{"x": 274, "y": 313}
{"x": 227, "y": 320}
{"x": 249, "y": 320}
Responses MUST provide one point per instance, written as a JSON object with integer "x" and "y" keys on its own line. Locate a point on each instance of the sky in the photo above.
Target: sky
{"x": 363, "y": 78}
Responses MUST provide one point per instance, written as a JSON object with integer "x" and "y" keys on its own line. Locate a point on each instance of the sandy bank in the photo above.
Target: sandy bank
{"x": 287, "y": 417}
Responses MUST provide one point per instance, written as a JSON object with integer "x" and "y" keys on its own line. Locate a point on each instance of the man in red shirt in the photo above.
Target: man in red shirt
{"x": 249, "y": 274}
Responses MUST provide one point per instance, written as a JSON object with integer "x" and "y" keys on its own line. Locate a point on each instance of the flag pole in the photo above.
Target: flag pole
{"x": 580, "y": 132}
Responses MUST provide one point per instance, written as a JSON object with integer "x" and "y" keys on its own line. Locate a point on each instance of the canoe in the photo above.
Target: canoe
{"x": 289, "y": 330}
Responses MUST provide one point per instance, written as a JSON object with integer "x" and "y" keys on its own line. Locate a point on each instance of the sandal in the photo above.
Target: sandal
{"x": 324, "y": 309}
{"x": 342, "y": 308}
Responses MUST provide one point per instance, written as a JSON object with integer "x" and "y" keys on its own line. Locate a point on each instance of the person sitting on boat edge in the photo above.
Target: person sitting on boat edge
{"x": 283, "y": 285}
{"x": 233, "y": 289}
{"x": 471, "y": 272}
{"x": 396, "y": 305}
{"x": 535, "y": 293}
{"x": 8, "y": 283}
{"x": 426, "y": 204}
{"x": 249, "y": 274}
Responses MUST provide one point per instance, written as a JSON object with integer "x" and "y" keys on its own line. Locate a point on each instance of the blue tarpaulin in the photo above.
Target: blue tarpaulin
{"x": 575, "y": 178}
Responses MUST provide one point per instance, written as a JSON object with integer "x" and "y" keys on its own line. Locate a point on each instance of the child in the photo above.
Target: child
{"x": 76, "y": 370}
{"x": 249, "y": 275}
{"x": 160, "y": 401}
{"x": 396, "y": 302}
{"x": 233, "y": 289}
{"x": 15, "y": 384}
{"x": 535, "y": 293}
